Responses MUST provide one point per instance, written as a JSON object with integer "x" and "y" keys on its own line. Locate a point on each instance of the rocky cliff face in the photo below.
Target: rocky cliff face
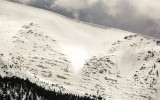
{"x": 34, "y": 56}
{"x": 130, "y": 70}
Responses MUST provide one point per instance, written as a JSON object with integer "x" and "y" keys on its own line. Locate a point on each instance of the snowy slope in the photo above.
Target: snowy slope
{"x": 63, "y": 54}
{"x": 69, "y": 34}
{"x": 129, "y": 70}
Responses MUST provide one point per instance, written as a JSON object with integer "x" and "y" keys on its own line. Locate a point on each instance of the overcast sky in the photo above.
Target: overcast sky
{"x": 140, "y": 16}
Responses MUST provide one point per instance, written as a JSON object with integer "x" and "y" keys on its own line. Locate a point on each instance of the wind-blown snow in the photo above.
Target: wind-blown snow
{"x": 76, "y": 55}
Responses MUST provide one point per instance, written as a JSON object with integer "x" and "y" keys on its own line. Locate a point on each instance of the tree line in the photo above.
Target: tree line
{"x": 14, "y": 88}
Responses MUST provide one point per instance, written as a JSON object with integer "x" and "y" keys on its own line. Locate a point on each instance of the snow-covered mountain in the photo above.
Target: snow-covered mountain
{"x": 129, "y": 70}
{"x": 67, "y": 55}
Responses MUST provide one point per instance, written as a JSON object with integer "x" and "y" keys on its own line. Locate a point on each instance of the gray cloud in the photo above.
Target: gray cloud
{"x": 130, "y": 15}
{"x": 21, "y": 1}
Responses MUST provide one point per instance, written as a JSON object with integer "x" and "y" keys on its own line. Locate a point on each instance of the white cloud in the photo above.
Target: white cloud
{"x": 70, "y": 4}
{"x": 150, "y": 8}
{"x": 75, "y": 5}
